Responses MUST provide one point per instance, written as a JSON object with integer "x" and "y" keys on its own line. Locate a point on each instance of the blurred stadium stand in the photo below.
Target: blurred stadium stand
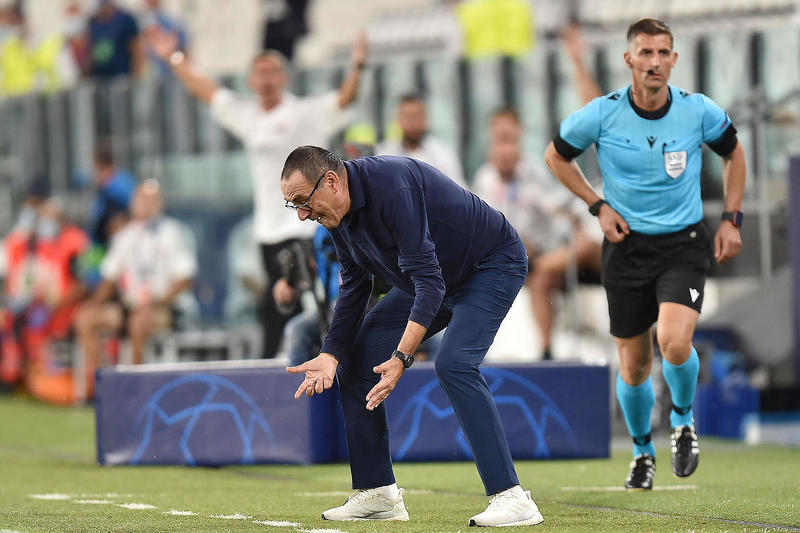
{"x": 747, "y": 64}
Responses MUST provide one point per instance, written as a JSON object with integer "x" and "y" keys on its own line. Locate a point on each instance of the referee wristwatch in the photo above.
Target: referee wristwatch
{"x": 406, "y": 358}
{"x": 594, "y": 209}
{"x": 734, "y": 217}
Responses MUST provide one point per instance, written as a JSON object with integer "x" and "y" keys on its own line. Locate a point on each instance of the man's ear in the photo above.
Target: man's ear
{"x": 333, "y": 180}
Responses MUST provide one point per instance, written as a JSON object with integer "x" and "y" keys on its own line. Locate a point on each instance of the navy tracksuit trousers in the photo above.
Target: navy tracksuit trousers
{"x": 472, "y": 314}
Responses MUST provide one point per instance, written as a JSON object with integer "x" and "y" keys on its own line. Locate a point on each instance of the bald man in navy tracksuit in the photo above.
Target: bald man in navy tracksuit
{"x": 453, "y": 262}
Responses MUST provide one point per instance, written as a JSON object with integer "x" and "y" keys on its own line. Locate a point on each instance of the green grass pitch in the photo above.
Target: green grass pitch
{"x": 49, "y": 482}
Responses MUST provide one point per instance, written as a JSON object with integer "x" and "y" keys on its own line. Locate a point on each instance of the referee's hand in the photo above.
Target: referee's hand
{"x": 727, "y": 242}
{"x": 613, "y": 225}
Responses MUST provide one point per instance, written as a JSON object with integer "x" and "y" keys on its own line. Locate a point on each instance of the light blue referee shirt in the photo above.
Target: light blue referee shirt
{"x": 650, "y": 160}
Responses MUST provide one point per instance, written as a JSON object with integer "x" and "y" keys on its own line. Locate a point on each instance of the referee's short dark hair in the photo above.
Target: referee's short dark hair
{"x": 649, "y": 26}
{"x": 312, "y": 162}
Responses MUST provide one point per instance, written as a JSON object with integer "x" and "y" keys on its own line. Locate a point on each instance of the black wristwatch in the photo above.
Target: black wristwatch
{"x": 734, "y": 217}
{"x": 594, "y": 209}
{"x": 406, "y": 358}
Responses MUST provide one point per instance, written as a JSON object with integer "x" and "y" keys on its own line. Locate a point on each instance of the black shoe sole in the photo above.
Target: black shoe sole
{"x": 687, "y": 474}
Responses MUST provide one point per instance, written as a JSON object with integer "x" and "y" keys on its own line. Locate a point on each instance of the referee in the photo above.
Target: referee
{"x": 656, "y": 252}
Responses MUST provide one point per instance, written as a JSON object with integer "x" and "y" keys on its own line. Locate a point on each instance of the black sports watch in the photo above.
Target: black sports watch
{"x": 406, "y": 358}
{"x": 734, "y": 217}
{"x": 594, "y": 209}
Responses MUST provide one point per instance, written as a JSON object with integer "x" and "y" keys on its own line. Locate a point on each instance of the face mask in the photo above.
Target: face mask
{"x": 47, "y": 229}
{"x": 74, "y": 25}
{"x": 26, "y": 220}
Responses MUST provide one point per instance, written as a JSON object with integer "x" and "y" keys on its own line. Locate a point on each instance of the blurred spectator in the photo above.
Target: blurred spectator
{"x": 246, "y": 279}
{"x": 534, "y": 204}
{"x": 587, "y": 87}
{"x": 303, "y": 333}
{"x": 270, "y": 126}
{"x": 285, "y": 24}
{"x": 497, "y": 27}
{"x": 417, "y": 142}
{"x": 37, "y": 194}
{"x": 27, "y": 64}
{"x": 519, "y": 187}
{"x": 114, "y": 39}
{"x": 76, "y": 36}
{"x": 42, "y": 285}
{"x": 155, "y": 18}
{"x": 114, "y": 191}
{"x": 19, "y": 258}
{"x": 151, "y": 265}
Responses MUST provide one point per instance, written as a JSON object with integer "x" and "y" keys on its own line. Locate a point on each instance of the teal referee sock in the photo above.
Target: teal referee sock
{"x": 637, "y": 403}
{"x": 682, "y": 382}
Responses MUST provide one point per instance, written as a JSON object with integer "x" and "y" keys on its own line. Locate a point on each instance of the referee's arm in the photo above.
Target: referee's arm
{"x": 569, "y": 173}
{"x": 728, "y": 242}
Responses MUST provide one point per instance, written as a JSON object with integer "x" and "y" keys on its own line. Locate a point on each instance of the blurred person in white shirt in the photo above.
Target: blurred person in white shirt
{"x": 270, "y": 126}
{"x": 418, "y": 143}
{"x": 150, "y": 265}
{"x": 549, "y": 222}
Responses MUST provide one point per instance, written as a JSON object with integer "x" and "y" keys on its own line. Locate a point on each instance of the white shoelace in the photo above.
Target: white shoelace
{"x": 361, "y": 495}
{"x": 499, "y": 499}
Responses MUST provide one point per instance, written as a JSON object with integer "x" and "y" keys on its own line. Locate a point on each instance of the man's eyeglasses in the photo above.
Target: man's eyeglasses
{"x": 304, "y": 206}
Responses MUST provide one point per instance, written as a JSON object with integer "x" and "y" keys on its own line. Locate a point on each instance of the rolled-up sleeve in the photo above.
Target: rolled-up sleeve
{"x": 350, "y": 307}
{"x": 404, "y": 214}
{"x": 230, "y": 111}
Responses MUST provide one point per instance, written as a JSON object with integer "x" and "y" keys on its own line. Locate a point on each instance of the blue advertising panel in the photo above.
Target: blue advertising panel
{"x": 549, "y": 411}
{"x": 245, "y": 412}
{"x": 210, "y": 414}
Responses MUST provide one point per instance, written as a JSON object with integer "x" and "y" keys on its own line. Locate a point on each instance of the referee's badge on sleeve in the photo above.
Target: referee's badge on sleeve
{"x": 675, "y": 163}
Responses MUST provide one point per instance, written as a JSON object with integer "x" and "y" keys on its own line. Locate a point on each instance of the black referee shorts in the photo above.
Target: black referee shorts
{"x": 644, "y": 271}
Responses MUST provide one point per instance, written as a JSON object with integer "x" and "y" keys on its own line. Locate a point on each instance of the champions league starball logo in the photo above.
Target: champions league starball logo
{"x": 198, "y": 407}
{"x": 524, "y": 407}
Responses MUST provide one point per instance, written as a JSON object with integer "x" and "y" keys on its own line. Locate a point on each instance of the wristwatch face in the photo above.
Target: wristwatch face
{"x": 734, "y": 217}
{"x": 594, "y": 209}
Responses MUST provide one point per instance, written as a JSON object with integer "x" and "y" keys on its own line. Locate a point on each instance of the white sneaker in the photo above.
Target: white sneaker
{"x": 370, "y": 504}
{"x": 511, "y": 507}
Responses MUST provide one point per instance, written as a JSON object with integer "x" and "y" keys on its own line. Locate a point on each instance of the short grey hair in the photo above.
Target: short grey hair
{"x": 312, "y": 162}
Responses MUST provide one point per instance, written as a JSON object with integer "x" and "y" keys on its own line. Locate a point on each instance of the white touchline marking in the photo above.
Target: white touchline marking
{"x": 623, "y": 489}
{"x": 321, "y": 531}
{"x": 276, "y": 523}
{"x": 93, "y": 502}
{"x": 180, "y": 513}
{"x": 9, "y": 531}
{"x": 137, "y": 506}
{"x": 234, "y": 516}
{"x": 324, "y": 494}
{"x": 53, "y": 496}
